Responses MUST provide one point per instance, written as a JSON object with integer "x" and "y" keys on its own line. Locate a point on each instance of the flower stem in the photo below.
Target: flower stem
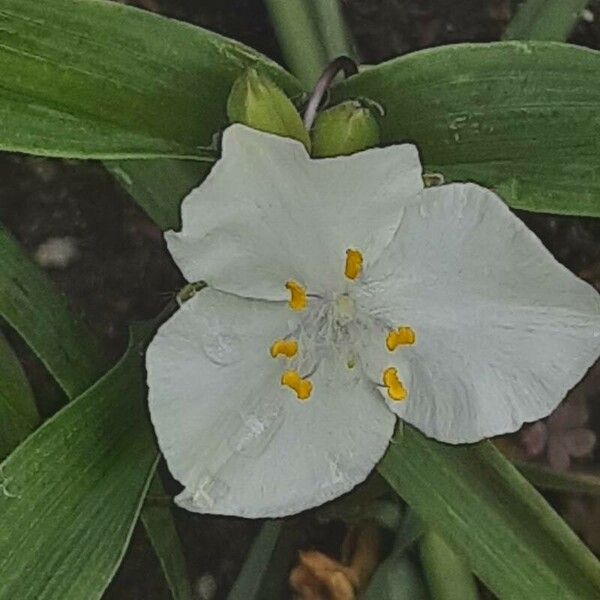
{"x": 448, "y": 576}
{"x": 342, "y": 63}
{"x": 299, "y": 38}
{"x": 334, "y": 33}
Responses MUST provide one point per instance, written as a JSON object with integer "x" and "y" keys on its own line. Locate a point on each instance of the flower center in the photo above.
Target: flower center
{"x": 329, "y": 323}
{"x": 344, "y": 309}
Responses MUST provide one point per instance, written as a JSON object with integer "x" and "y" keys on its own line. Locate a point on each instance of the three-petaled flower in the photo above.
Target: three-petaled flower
{"x": 342, "y": 294}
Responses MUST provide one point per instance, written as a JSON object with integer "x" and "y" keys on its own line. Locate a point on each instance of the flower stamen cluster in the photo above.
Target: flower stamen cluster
{"x": 343, "y": 314}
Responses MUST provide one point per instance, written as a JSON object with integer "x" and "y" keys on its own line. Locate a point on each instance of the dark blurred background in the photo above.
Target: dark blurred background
{"x": 109, "y": 258}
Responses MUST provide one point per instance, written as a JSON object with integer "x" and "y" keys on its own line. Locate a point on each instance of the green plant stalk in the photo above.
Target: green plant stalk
{"x": 448, "y": 575}
{"x": 334, "y": 34}
{"x": 18, "y": 410}
{"x": 545, "y": 20}
{"x": 298, "y": 38}
{"x": 71, "y": 493}
{"x": 512, "y": 539}
{"x": 275, "y": 578}
{"x": 248, "y": 583}
{"x": 69, "y": 351}
{"x": 570, "y": 482}
{"x": 160, "y": 527}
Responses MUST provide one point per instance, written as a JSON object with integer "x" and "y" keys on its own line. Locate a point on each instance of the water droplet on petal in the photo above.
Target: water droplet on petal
{"x": 336, "y": 473}
{"x": 222, "y": 348}
{"x": 256, "y": 431}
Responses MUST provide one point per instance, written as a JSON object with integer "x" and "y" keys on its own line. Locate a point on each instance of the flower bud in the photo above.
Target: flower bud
{"x": 344, "y": 129}
{"x": 256, "y": 101}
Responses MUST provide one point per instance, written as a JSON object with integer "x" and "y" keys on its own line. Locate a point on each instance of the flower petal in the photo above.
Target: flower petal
{"x": 268, "y": 213}
{"x": 239, "y": 442}
{"x": 503, "y": 331}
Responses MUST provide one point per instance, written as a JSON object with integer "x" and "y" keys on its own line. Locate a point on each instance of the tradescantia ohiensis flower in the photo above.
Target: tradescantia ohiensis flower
{"x": 342, "y": 294}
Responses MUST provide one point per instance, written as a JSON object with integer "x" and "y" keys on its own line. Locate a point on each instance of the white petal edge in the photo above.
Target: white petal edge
{"x": 503, "y": 330}
{"x": 240, "y": 443}
{"x": 268, "y": 213}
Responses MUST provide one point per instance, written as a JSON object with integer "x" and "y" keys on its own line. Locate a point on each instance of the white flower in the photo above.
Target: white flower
{"x": 341, "y": 294}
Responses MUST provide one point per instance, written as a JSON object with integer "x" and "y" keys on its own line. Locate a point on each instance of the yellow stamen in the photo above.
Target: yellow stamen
{"x": 288, "y": 348}
{"x": 403, "y": 336}
{"x": 302, "y": 387}
{"x": 354, "y": 263}
{"x": 298, "y": 299}
{"x": 396, "y": 391}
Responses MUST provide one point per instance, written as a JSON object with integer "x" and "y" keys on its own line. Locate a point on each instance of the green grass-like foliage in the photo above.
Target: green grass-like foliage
{"x": 91, "y": 79}
{"x": 98, "y": 79}
{"x": 71, "y": 493}
{"x": 522, "y": 118}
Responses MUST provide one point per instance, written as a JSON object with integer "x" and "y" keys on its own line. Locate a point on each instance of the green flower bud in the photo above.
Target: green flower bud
{"x": 344, "y": 129}
{"x": 256, "y": 101}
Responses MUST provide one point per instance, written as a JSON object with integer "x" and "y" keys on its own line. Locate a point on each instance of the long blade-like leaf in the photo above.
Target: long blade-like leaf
{"x": 299, "y": 38}
{"x": 31, "y": 305}
{"x": 70, "y": 494}
{"x": 158, "y": 186}
{"x": 96, "y": 79}
{"x": 448, "y": 576}
{"x": 18, "y": 412}
{"x": 550, "y": 20}
{"x": 29, "y": 302}
{"x": 570, "y": 482}
{"x": 160, "y": 527}
{"x": 248, "y": 582}
{"x": 513, "y": 540}
{"x": 523, "y": 118}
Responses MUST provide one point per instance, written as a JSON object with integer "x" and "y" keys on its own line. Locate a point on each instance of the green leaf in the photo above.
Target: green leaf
{"x": 248, "y": 583}
{"x": 550, "y": 20}
{"x": 333, "y": 32}
{"x": 512, "y": 539}
{"x": 411, "y": 531}
{"x": 159, "y": 186}
{"x": 31, "y": 305}
{"x": 448, "y": 576}
{"x": 160, "y": 527}
{"x": 18, "y": 412}
{"x": 397, "y": 577}
{"x": 70, "y": 494}
{"x": 299, "y": 38}
{"x": 570, "y": 482}
{"x": 274, "y": 582}
{"x": 95, "y": 79}
{"x": 522, "y": 118}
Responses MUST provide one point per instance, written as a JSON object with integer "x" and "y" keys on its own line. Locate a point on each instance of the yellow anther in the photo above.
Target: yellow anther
{"x": 287, "y": 348}
{"x": 396, "y": 391}
{"x": 354, "y": 263}
{"x": 298, "y": 299}
{"x": 302, "y": 387}
{"x": 403, "y": 336}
